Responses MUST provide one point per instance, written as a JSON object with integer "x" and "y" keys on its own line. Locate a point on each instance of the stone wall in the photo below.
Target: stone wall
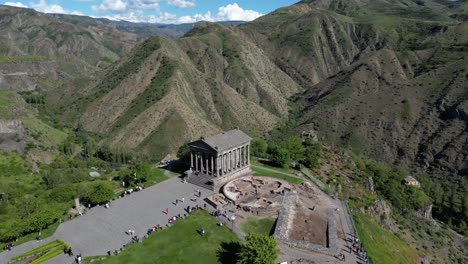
{"x": 332, "y": 238}
{"x": 283, "y": 223}
{"x": 285, "y": 213}
{"x": 218, "y": 182}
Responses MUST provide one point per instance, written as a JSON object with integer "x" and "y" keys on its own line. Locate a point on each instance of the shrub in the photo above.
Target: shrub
{"x": 258, "y": 249}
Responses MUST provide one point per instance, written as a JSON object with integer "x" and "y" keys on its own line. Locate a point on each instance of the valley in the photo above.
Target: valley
{"x": 352, "y": 91}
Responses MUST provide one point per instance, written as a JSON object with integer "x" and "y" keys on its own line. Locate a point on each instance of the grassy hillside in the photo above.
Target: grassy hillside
{"x": 381, "y": 245}
{"x": 35, "y": 47}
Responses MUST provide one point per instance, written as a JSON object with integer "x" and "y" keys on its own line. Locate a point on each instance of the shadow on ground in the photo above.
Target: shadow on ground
{"x": 227, "y": 253}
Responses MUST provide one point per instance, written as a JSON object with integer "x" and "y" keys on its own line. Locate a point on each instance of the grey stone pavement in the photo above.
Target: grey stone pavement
{"x": 101, "y": 229}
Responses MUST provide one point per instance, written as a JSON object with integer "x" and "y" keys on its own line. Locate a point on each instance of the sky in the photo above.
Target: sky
{"x": 158, "y": 11}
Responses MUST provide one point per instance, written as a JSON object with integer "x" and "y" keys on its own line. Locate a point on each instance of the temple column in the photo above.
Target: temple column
{"x": 191, "y": 160}
{"x": 196, "y": 161}
{"x": 243, "y": 156}
{"x": 248, "y": 154}
{"x": 207, "y": 166}
{"x": 225, "y": 162}
{"x": 212, "y": 171}
{"x": 229, "y": 161}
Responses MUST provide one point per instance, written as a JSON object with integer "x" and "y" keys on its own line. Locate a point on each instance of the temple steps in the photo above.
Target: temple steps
{"x": 202, "y": 180}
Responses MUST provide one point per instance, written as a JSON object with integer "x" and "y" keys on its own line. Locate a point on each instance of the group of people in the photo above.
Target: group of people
{"x": 68, "y": 250}
{"x": 9, "y": 246}
{"x": 78, "y": 259}
{"x": 358, "y": 248}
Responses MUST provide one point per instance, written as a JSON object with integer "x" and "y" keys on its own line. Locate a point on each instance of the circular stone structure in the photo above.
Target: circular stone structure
{"x": 256, "y": 192}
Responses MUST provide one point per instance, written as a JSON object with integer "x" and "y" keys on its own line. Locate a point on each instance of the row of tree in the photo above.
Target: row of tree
{"x": 291, "y": 149}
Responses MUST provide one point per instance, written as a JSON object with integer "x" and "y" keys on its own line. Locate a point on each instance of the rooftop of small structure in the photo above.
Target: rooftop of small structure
{"x": 410, "y": 178}
{"x": 225, "y": 140}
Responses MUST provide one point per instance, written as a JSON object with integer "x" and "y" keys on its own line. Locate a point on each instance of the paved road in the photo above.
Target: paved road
{"x": 100, "y": 229}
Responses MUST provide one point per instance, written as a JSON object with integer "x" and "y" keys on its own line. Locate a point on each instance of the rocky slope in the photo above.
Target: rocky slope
{"x": 405, "y": 103}
{"x": 181, "y": 90}
{"x": 39, "y": 51}
{"x": 383, "y": 77}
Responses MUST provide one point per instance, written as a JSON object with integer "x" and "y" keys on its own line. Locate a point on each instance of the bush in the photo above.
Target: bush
{"x": 258, "y": 249}
{"x": 99, "y": 192}
{"x": 279, "y": 156}
{"x": 259, "y": 147}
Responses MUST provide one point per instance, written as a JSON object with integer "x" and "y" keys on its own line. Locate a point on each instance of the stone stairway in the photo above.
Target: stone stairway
{"x": 202, "y": 180}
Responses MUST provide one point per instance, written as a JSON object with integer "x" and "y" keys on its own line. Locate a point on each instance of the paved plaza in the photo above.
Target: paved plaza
{"x": 101, "y": 229}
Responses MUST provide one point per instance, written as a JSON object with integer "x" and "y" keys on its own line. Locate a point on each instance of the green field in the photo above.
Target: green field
{"x": 258, "y": 225}
{"x": 43, "y": 132}
{"x": 21, "y": 59}
{"x": 382, "y": 246}
{"x": 181, "y": 243}
{"x": 259, "y": 171}
{"x": 7, "y": 102}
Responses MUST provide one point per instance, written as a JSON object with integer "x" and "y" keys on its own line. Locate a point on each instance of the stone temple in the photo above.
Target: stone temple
{"x": 218, "y": 159}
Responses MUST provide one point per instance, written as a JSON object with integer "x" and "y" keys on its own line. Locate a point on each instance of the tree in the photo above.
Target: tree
{"x": 184, "y": 152}
{"x": 279, "y": 156}
{"x": 311, "y": 157}
{"x": 258, "y": 147}
{"x": 143, "y": 171}
{"x": 258, "y": 249}
{"x": 99, "y": 192}
{"x": 295, "y": 148}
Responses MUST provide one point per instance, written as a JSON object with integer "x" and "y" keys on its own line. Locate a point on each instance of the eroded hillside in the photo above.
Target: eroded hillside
{"x": 200, "y": 84}
{"x": 39, "y": 51}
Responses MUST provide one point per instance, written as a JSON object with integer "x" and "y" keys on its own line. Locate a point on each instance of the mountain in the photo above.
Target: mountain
{"x": 168, "y": 92}
{"x": 141, "y": 29}
{"x": 39, "y": 51}
{"x": 405, "y": 102}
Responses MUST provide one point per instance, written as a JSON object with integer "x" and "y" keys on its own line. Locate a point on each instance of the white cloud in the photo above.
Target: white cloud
{"x": 235, "y": 12}
{"x": 182, "y": 3}
{"x": 117, "y": 6}
{"x": 137, "y": 11}
{"x": 78, "y": 13}
{"x": 229, "y": 12}
{"x": 17, "y": 4}
{"x": 42, "y": 6}
{"x": 144, "y": 4}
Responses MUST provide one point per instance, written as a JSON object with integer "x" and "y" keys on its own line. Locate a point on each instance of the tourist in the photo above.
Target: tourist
{"x": 167, "y": 211}
{"x": 199, "y": 194}
{"x": 183, "y": 199}
{"x": 202, "y": 232}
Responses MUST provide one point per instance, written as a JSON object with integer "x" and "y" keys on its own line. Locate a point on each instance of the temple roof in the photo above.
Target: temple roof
{"x": 225, "y": 140}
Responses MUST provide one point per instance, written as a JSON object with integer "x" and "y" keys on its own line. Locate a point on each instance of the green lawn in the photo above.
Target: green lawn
{"x": 382, "y": 246}
{"x": 180, "y": 243}
{"x": 156, "y": 176}
{"x": 268, "y": 164}
{"x": 258, "y": 171}
{"x": 257, "y": 225}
